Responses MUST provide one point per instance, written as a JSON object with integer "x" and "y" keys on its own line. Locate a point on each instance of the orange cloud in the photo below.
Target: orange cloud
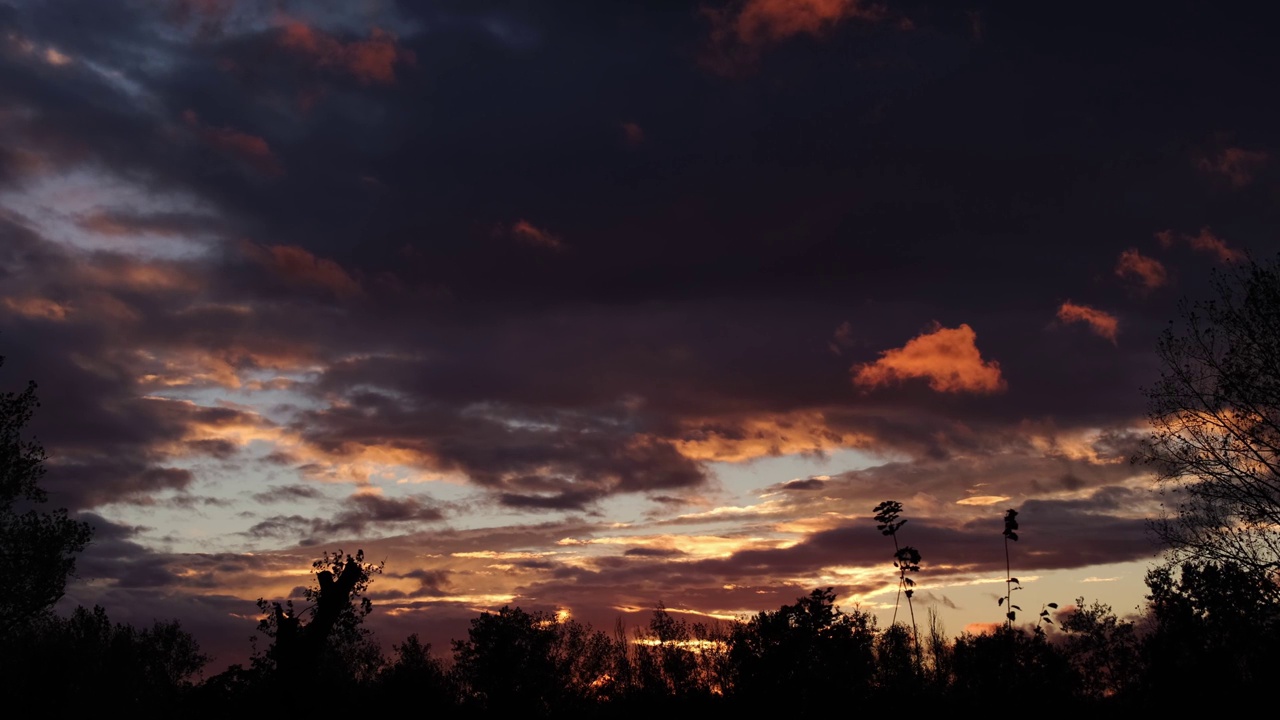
{"x": 525, "y": 232}
{"x": 299, "y": 266}
{"x": 1101, "y": 323}
{"x": 250, "y": 149}
{"x": 987, "y": 628}
{"x": 768, "y": 21}
{"x": 1236, "y": 164}
{"x": 1206, "y": 241}
{"x": 739, "y": 440}
{"x": 53, "y": 57}
{"x": 1148, "y": 271}
{"x": 36, "y": 307}
{"x": 740, "y": 29}
{"x": 369, "y": 61}
{"x": 947, "y": 357}
{"x": 141, "y": 276}
{"x": 223, "y": 366}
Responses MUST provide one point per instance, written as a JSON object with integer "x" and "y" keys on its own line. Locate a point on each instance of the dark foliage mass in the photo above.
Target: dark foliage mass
{"x": 1206, "y": 626}
{"x": 86, "y": 661}
{"x": 37, "y": 546}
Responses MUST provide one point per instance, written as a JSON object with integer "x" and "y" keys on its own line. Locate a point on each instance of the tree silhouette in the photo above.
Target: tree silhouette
{"x": 1215, "y": 416}
{"x": 811, "y": 653}
{"x": 1214, "y": 624}
{"x": 1103, "y": 649}
{"x": 507, "y": 663}
{"x": 37, "y": 546}
{"x": 333, "y": 643}
{"x": 85, "y": 662}
{"x": 416, "y": 676}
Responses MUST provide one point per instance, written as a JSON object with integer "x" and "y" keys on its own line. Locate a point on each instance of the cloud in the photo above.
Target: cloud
{"x": 1205, "y": 242}
{"x": 300, "y": 267}
{"x": 529, "y": 234}
{"x": 559, "y": 461}
{"x": 1103, "y": 324}
{"x": 358, "y": 513}
{"x": 841, "y": 338}
{"x": 982, "y": 500}
{"x": 288, "y": 493}
{"x": 369, "y": 61}
{"x": 745, "y": 438}
{"x": 761, "y": 22}
{"x": 740, "y": 29}
{"x": 947, "y": 357}
{"x": 1236, "y": 164}
{"x": 632, "y": 133}
{"x": 116, "y": 223}
{"x": 806, "y": 484}
{"x": 36, "y": 307}
{"x": 249, "y": 149}
{"x": 1148, "y": 271}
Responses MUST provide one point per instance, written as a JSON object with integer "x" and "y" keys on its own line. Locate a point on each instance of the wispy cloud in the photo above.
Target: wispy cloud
{"x": 1235, "y": 164}
{"x": 1102, "y": 323}
{"x": 370, "y": 61}
{"x": 1149, "y": 272}
{"x": 1205, "y": 241}
{"x": 526, "y": 232}
{"x": 249, "y": 149}
{"x": 741, "y": 29}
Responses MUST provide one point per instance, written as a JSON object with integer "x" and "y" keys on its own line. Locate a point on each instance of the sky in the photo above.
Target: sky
{"x": 591, "y": 306}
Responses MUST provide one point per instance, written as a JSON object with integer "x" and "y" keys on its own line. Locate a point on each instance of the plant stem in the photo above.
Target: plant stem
{"x": 1008, "y": 585}
{"x": 898, "y": 600}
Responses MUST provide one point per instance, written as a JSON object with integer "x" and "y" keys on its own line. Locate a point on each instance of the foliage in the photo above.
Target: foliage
{"x": 939, "y": 646}
{"x": 1104, "y": 650}
{"x": 897, "y": 664}
{"x": 37, "y": 547}
{"x": 87, "y": 661}
{"x": 334, "y": 645}
{"x": 416, "y": 676}
{"x": 1215, "y": 417}
{"x": 513, "y": 660}
{"x": 1013, "y": 665}
{"x": 677, "y": 659}
{"x": 1215, "y": 624}
{"x": 809, "y": 652}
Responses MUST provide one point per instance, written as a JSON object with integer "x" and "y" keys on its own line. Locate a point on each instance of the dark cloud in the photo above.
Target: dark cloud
{"x": 360, "y": 512}
{"x": 288, "y": 493}
{"x": 245, "y": 249}
{"x": 652, "y": 552}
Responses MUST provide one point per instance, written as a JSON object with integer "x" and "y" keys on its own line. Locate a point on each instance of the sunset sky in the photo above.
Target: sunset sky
{"x": 588, "y": 306}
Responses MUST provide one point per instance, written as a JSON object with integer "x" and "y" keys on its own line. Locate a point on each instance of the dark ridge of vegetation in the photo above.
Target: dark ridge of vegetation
{"x": 1207, "y": 626}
